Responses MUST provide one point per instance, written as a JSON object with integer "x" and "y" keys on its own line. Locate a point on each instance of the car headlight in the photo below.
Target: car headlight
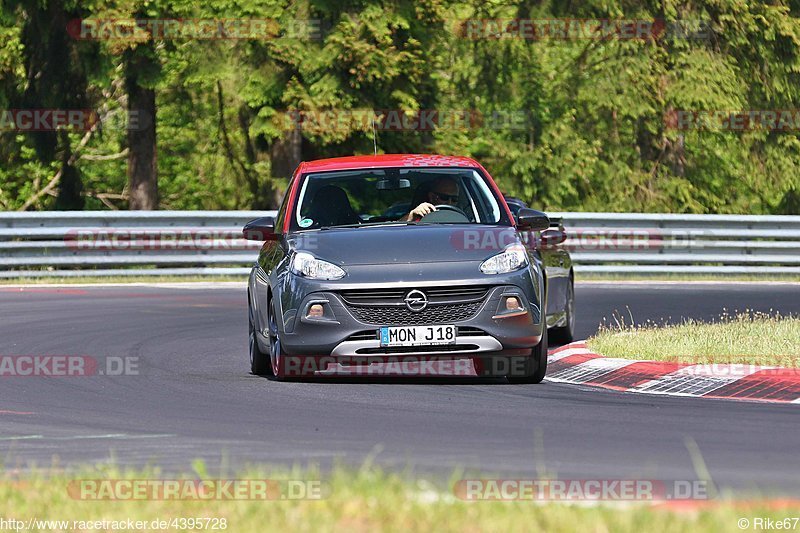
{"x": 308, "y": 266}
{"x": 512, "y": 258}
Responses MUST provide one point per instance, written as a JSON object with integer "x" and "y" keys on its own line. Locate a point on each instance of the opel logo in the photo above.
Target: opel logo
{"x": 416, "y": 301}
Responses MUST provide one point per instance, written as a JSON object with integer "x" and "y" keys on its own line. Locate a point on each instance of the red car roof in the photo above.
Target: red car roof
{"x": 387, "y": 160}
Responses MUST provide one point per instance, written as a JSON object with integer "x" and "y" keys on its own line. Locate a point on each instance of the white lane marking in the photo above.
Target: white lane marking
{"x": 115, "y": 436}
{"x": 688, "y": 381}
{"x": 590, "y": 370}
{"x": 155, "y": 284}
{"x": 693, "y": 381}
{"x": 697, "y": 380}
{"x": 83, "y": 437}
{"x": 78, "y": 437}
{"x": 717, "y": 370}
{"x": 684, "y": 385}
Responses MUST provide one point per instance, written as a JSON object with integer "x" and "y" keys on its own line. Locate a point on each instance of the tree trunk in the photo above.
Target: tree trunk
{"x": 284, "y": 156}
{"x": 55, "y": 79}
{"x": 142, "y": 155}
{"x": 70, "y": 186}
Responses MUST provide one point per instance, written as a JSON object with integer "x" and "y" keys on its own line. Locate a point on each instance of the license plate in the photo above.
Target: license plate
{"x": 418, "y": 335}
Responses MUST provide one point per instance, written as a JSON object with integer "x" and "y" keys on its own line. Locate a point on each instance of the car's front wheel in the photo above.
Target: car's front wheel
{"x": 259, "y": 361}
{"x": 275, "y": 351}
{"x": 566, "y": 333}
{"x": 532, "y": 369}
{"x": 518, "y": 369}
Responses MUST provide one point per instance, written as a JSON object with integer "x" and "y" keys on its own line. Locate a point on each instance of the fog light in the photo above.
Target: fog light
{"x": 509, "y": 306}
{"x": 315, "y": 311}
{"x": 512, "y": 304}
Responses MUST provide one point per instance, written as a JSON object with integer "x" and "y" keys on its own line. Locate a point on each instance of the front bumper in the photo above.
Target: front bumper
{"x": 341, "y": 333}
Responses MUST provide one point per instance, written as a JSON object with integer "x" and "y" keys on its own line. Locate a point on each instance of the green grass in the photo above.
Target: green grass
{"x": 364, "y": 500}
{"x": 598, "y": 277}
{"x": 747, "y": 337}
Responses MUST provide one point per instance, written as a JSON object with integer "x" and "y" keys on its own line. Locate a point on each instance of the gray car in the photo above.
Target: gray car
{"x": 342, "y": 281}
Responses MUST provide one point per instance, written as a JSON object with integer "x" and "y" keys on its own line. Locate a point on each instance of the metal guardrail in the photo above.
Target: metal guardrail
{"x": 124, "y": 243}
{"x": 700, "y": 244}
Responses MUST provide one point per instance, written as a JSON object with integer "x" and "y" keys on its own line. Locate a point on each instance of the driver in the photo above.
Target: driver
{"x": 444, "y": 191}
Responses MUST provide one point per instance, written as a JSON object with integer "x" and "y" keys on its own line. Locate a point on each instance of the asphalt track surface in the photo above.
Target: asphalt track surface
{"x": 194, "y": 398}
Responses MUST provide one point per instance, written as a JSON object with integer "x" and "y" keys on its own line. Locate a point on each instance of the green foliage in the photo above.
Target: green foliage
{"x": 588, "y": 130}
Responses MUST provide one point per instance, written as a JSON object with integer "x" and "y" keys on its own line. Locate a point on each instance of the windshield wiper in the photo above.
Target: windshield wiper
{"x": 374, "y": 224}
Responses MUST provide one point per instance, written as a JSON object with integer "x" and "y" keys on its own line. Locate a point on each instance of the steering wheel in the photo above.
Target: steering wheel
{"x": 445, "y": 213}
{"x": 448, "y": 207}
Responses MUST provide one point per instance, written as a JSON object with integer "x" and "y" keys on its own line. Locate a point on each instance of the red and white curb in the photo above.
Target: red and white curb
{"x": 576, "y": 364}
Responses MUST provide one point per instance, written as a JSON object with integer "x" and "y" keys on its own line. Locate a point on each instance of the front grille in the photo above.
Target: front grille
{"x": 370, "y": 335}
{"x": 433, "y": 314}
{"x": 467, "y": 331}
{"x": 385, "y": 307}
{"x": 434, "y": 294}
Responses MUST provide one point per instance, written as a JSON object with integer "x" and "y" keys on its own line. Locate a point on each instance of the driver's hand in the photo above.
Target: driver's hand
{"x": 420, "y": 211}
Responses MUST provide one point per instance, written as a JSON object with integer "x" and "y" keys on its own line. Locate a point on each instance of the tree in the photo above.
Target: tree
{"x": 55, "y": 77}
{"x": 141, "y": 66}
{"x": 567, "y": 124}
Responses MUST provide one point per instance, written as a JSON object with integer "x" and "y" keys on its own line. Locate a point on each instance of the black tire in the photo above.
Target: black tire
{"x": 533, "y": 368}
{"x": 566, "y": 334}
{"x": 276, "y": 355}
{"x": 517, "y": 369}
{"x": 259, "y": 361}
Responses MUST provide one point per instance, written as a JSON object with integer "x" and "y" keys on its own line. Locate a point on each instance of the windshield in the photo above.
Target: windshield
{"x": 388, "y": 196}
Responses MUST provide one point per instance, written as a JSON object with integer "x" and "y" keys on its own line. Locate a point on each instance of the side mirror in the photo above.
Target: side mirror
{"x": 261, "y": 229}
{"x": 553, "y": 237}
{"x": 531, "y": 219}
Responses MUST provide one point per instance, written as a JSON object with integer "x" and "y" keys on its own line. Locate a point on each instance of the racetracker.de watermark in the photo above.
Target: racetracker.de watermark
{"x": 49, "y": 365}
{"x": 174, "y": 523}
{"x": 574, "y": 29}
{"x": 132, "y": 239}
{"x": 581, "y": 240}
{"x": 401, "y": 120}
{"x": 48, "y": 119}
{"x": 774, "y": 367}
{"x": 779, "y": 120}
{"x": 375, "y": 365}
{"x": 581, "y": 490}
{"x": 194, "y": 489}
{"x": 145, "y": 29}
{"x": 633, "y": 240}
{"x": 73, "y": 120}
